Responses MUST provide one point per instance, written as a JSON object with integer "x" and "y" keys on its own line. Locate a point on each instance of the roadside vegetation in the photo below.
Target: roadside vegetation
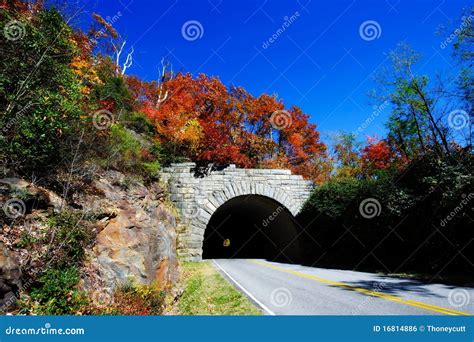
{"x": 404, "y": 203}
{"x": 206, "y": 292}
{"x": 68, "y": 109}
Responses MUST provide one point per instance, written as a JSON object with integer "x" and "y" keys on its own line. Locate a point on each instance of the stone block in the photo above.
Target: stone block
{"x": 210, "y": 192}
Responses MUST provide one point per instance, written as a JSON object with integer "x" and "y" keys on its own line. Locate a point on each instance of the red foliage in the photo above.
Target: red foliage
{"x": 107, "y": 105}
{"x": 218, "y": 148}
{"x": 376, "y": 155}
{"x": 22, "y": 7}
{"x": 210, "y": 123}
{"x": 84, "y": 44}
{"x": 146, "y": 155}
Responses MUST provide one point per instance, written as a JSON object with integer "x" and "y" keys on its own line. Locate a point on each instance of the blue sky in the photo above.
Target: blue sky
{"x": 320, "y": 62}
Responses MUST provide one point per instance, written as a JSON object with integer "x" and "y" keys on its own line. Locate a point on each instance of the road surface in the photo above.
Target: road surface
{"x": 284, "y": 289}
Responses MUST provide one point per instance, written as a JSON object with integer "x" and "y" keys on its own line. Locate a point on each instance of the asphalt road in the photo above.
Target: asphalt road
{"x": 284, "y": 289}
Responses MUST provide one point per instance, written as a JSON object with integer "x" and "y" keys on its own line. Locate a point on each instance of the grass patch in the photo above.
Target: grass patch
{"x": 206, "y": 292}
{"x": 132, "y": 298}
{"x": 59, "y": 251}
{"x": 56, "y": 293}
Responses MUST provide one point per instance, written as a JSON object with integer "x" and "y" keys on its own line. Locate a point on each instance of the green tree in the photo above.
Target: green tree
{"x": 347, "y": 156}
{"x": 39, "y": 94}
{"x": 464, "y": 54}
{"x": 416, "y": 121}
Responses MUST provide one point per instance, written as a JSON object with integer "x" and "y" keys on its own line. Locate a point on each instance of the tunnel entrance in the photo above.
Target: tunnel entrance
{"x": 252, "y": 226}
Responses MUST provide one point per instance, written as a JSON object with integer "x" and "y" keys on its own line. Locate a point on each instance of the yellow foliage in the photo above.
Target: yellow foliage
{"x": 192, "y": 133}
{"x": 86, "y": 72}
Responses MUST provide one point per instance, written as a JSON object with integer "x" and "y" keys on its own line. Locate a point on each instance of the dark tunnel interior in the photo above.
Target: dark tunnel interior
{"x": 252, "y": 226}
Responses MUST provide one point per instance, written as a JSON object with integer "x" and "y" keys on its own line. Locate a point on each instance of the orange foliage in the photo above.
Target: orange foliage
{"x": 210, "y": 123}
{"x": 376, "y": 155}
{"x": 107, "y": 31}
{"x": 27, "y": 8}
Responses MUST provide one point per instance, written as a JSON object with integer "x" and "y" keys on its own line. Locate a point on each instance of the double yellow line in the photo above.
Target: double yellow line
{"x": 414, "y": 303}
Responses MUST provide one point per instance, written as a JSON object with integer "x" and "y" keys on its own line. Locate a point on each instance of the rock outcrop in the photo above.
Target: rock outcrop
{"x": 135, "y": 233}
{"x": 10, "y": 276}
{"x": 137, "y": 239}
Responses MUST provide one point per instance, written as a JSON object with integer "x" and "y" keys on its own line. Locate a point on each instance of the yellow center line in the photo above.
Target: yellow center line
{"x": 414, "y": 303}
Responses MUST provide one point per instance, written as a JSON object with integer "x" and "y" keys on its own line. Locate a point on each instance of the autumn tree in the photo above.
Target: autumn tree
{"x": 200, "y": 119}
{"x": 347, "y": 156}
{"x": 375, "y": 155}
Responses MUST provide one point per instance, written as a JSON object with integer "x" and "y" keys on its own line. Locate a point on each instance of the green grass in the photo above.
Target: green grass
{"x": 206, "y": 292}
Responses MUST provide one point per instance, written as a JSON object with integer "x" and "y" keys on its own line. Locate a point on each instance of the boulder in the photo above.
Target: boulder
{"x": 38, "y": 197}
{"x": 10, "y": 278}
{"x": 136, "y": 234}
{"x": 137, "y": 239}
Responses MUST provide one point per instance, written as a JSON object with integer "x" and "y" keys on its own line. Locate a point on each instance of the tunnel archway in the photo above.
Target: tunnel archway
{"x": 252, "y": 226}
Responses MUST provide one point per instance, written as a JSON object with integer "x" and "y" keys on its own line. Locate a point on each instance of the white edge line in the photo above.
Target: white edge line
{"x": 259, "y": 303}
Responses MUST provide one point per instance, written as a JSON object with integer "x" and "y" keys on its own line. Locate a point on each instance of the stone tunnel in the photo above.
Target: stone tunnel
{"x": 236, "y": 212}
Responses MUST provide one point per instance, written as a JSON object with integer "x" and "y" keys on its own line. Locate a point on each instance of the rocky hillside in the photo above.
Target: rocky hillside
{"x": 85, "y": 227}
{"x": 116, "y": 233}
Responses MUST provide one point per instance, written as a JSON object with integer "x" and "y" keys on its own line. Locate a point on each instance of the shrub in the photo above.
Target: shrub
{"x": 152, "y": 169}
{"x": 138, "y": 122}
{"x": 70, "y": 236}
{"x": 124, "y": 145}
{"x": 40, "y": 103}
{"x": 134, "y": 299}
{"x": 410, "y": 233}
{"x": 62, "y": 249}
{"x": 125, "y": 149}
{"x": 172, "y": 153}
{"x": 56, "y": 293}
{"x": 112, "y": 93}
{"x": 129, "y": 152}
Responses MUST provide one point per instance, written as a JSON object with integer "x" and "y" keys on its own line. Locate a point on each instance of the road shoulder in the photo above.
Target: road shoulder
{"x": 207, "y": 292}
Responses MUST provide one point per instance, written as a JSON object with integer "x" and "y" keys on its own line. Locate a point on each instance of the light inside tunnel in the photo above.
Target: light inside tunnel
{"x": 252, "y": 226}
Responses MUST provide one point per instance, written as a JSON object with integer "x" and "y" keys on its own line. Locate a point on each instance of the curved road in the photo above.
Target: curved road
{"x": 285, "y": 289}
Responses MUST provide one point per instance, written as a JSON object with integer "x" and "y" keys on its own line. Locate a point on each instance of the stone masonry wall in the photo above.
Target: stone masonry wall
{"x": 197, "y": 198}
